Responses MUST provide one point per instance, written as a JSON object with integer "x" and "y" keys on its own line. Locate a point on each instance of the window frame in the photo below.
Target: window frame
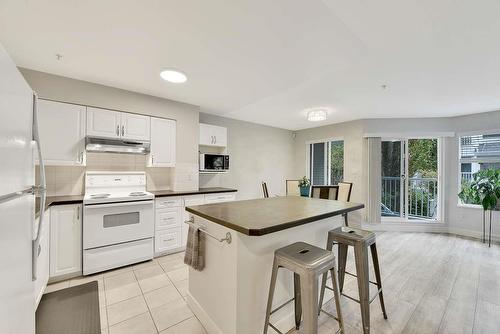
{"x": 458, "y": 137}
{"x": 310, "y": 154}
{"x": 441, "y": 154}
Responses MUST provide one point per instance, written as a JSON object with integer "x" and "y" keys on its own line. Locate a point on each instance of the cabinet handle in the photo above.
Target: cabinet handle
{"x": 152, "y": 158}
{"x": 123, "y": 130}
{"x": 215, "y": 139}
{"x": 78, "y": 213}
{"x": 168, "y": 239}
{"x": 117, "y": 130}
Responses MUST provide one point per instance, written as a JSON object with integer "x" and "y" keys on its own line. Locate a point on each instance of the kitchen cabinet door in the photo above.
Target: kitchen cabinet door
{"x": 135, "y": 127}
{"x": 42, "y": 269}
{"x": 62, "y": 133}
{"x": 65, "y": 240}
{"x": 212, "y": 135}
{"x": 167, "y": 240}
{"x": 103, "y": 123}
{"x": 163, "y": 141}
{"x": 206, "y": 137}
{"x": 220, "y": 136}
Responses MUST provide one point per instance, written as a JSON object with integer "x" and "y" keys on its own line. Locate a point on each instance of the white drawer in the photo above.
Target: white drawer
{"x": 168, "y": 217}
{"x": 194, "y": 200}
{"x": 168, "y": 239}
{"x": 169, "y": 202}
{"x": 218, "y": 198}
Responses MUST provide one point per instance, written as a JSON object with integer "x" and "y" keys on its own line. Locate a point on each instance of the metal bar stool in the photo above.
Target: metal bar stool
{"x": 307, "y": 263}
{"x": 348, "y": 236}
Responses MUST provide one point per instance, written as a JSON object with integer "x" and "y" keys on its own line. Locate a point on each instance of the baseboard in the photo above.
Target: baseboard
{"x": 429, "y": 228}
{"x": 204, "y": 318}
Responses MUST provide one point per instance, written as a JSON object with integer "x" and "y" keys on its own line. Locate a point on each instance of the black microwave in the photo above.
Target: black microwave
{"x": 214, "y": 162}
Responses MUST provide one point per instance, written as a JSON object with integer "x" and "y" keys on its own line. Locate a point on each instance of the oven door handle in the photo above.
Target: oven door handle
{"x": 118, "y": 204}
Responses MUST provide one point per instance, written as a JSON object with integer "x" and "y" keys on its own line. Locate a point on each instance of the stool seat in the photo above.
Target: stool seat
{"x": 350, "y": 235}
{"x": 305, "y": 256}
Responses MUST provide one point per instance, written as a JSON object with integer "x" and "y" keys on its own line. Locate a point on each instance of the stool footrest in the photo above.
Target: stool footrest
{"x": 277, "y": 330}
{"x": 351, "y": 274}
{"x": 357, "y": 300}
{"x": 282, "y": 305}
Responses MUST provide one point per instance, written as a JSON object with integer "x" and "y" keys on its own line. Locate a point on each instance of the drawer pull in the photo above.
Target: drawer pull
{"x": 171, "y": 239}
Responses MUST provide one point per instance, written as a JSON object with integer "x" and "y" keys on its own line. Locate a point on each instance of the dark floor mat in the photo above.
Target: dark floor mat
{"x": 73, "y": 310}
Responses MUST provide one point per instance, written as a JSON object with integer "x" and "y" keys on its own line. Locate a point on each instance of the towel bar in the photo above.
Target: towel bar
{"x": 227, "y": 239}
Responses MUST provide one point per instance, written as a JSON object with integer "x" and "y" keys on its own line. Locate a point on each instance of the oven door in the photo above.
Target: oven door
{"x": 108, "y": 224}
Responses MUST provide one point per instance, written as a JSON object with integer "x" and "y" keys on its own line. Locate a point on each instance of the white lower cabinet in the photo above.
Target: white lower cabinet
{"x": 170, "y": 230}
{"x": 168, "y": 225}
{"x": 65, "y": 240}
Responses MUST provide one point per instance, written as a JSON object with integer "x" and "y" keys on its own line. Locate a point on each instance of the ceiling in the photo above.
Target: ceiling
{"x": 268, "y": 61}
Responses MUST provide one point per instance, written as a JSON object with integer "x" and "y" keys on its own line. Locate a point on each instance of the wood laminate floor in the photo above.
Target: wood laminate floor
{"x": 433, "y": 283}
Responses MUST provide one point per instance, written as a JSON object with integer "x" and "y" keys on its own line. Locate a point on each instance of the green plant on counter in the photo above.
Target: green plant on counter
{"x": 483, "y": 189}
{"x": 304, "y": 182}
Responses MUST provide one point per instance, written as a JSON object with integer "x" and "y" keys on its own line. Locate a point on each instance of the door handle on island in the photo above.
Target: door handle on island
{"x": 123, "y": 130}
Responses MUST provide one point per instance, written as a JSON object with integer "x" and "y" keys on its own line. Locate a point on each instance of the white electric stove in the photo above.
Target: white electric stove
{"x": 118, "y": 220}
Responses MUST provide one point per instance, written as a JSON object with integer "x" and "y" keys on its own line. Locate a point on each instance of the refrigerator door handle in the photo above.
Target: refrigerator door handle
{"x": 40, "y": 189}
{"x": 11, "y": 196}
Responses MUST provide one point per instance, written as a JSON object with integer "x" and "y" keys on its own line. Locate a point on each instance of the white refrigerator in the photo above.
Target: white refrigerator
{"x": 19, "y": 237}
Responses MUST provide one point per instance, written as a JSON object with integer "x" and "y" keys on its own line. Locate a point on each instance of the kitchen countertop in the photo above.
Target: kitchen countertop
{"x": 75, "y": 199}
{"x": 57, "y": 200}
{"x": 213, "y": 190}
{"x": 267, "y": 215}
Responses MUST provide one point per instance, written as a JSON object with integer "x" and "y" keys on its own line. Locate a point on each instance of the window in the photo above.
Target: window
{"x": 476, "y": 153}
{"x": 410, "y": 173}
{"x": 326, "y": 162}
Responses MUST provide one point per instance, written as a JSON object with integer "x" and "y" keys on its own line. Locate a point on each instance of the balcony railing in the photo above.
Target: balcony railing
{"x": 467, "y": 176}
{"x": 422, "y": 197}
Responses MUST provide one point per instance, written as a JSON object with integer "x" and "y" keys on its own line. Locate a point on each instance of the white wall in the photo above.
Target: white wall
{"x": 457, "y": 219}
{"x": 258, "y": 153}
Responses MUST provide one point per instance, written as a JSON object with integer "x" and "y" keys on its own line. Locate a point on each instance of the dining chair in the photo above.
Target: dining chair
{"x": 292, "y": 188}
{"x": 344, "y": 195}
{"x": 264, "y": 190}
{"x": 325, "y": 192}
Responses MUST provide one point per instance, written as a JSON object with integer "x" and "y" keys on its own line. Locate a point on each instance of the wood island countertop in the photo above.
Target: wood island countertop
{"x": 267, "y": 215}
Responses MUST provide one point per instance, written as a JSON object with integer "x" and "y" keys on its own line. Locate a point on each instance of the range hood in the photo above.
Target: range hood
{"x": 93, "y": 144}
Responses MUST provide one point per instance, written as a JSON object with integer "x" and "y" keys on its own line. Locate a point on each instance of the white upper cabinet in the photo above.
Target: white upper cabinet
{"x": 103, "y": 123}
{"x": 62, "y": 133}
{"x": 211, "y": 135}
{"x": 135, "y": 127}
{"x": 117, "y": 125}
{"x": 163, "y": 141}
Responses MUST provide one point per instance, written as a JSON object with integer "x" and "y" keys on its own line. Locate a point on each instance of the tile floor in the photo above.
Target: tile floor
{"x": 145, "y": 298}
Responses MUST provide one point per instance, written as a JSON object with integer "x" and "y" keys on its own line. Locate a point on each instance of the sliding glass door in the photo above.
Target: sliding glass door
{"x": 410, "y": 174}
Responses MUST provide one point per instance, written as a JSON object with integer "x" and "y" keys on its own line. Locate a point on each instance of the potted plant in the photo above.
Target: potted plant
{"x": 304, "y": 185}
{"x": 484, "y": 190}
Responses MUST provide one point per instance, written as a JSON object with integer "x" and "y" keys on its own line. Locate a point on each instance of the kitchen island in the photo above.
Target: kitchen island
{"x": 229, "y": 296}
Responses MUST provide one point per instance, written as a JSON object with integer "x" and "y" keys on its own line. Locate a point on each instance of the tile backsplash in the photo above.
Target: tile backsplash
{"x": 70, "y": 180}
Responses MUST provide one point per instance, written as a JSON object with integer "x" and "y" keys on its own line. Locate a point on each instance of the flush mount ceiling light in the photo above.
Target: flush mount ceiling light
{"x": 316, "y": 115}
{"x": 173, "y": 76}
